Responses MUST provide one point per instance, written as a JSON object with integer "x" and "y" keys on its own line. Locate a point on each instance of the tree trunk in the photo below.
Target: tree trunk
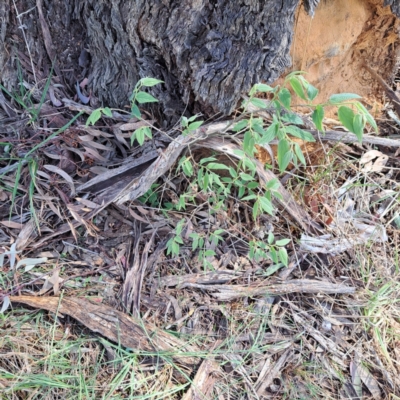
{"x": 208, "y": 52}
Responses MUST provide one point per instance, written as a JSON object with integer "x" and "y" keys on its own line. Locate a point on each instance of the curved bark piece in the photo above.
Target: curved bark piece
{"x": 117, "y": 327}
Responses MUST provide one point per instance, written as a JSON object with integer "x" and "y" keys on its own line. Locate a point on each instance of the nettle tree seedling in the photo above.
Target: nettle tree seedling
{"x": 219, "y": 182}
{"x": 286, "y": 123}
{"x": 138, "y": 96}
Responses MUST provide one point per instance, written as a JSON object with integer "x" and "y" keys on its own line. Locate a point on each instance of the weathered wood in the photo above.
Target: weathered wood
{"x": 118, "y": 327}
{"x": 207, "y": 52}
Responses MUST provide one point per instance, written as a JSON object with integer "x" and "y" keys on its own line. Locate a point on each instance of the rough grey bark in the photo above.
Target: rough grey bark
{"x": 208, "y": 52}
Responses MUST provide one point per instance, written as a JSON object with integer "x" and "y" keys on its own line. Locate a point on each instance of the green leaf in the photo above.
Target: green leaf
{"x": 207, "y": 159}
{"x": 284, "y": 155}
{"x": 318, "y": 117}
{"x": 367, "y": 115}
{"x": 292, "y": 118}
{"x": 233, "y": 172}
{"x": 252, "y": 185}
{"x": 297, "y": 88}
{"x": 262, "y": 87}
{"x": 140, "y": 134}
{"x": 135, "y": 111}
{"x": 258, "y": 103}
{"x": 341, "y": 97}
{"x": 143, "y": 97}
{"x": 187, "y": 168}
{"x": 256, "y": 208}
{"x": 248, "y": 143}
{"x": 312, "y": 92}
{"x": 107, "y": 112}
{"x": 148, "y": 133}
{"x": 94, "y": 117}
{"x": 299, "y": 154}
{"x": 214, "y": 165}
{"x": 269, "y": 134}
{"x": 249, "y": 197}
{"x": 246, "y": 177}
{"x": 241, "y": 125}
{"x": 271, "y": 238}
{"x": 273, "y": 184}
{"x": 359, "y": 124}
{"x": 272, "y": 269}
{"x": 266, "y": 205}
{"x": 285, "y": 97}
{"x": 300, "y": 133}
{"x": 274, "y": 255}
{"x": 282, "y": 242}
{"x": 283, "y": 256}
{"x": 346, "y": 117}
{"x": 194, "y": 125}
{"x": 149, "y": 82}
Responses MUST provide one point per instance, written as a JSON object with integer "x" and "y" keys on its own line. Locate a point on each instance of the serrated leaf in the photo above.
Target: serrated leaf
{"x": 284, "y": 159}
{"x": 258, "y": 103}
{"x": 107, "y": 111}
{"x": 135, "y": 111}
{"x": 266, "y": 205}
{"x": 143, "y": 97}
{"x": 250, "y": 197}
{"x": 207, "y": 159}
{"x": 299, "y": 154}
{"x": 187, "y": 168}
{"x": 318, "y": 117}
{"x": 246, "y": 177}
{"x": 300, "y": 133}
{"x": 282, "y": 242}
{"x": 283, "y": 256}
{"x": 272, "y": 269}
{"x": 274, "y": 255}
{"x": 232, "y": 172}
{"x": 214, "y": 165}
{"x": 248, "y": 143}
{"x": 256, "y": 208}
{"x": 149, "y": 82}
{"x": 341, "y": 97}
{"x": 369, "y": 118}
{"x": 285, "y": 97}
{"x": 252, "y": 185}
{"x": 292, "y": 118}
{"x": 312, "y": 92}
{"x": 262, "y": 87}
{"x": 273, "y": 184}
{"x": 297, "y": 87}
{"x": 346, "y": 117}
{"x": 359, "y": 124}
{"x": 269, "y": 134}
{"x": 194, "y": 125}
{"x": 94, "y": 117}
{"x": 139, "y": 134}
{"x": 241, "y": 125}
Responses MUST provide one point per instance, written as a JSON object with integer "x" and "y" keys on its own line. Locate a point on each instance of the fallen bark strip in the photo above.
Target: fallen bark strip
{"x": 231, "y": 292}
{"x": 209, "y": 278}
{"x": 347, "y": 137}
{"x": 204, "y": 381}
{"x": 118, "y": 327}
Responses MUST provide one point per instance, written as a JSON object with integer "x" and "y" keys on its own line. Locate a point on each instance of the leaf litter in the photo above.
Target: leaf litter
{"x": 225, "y": 326}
